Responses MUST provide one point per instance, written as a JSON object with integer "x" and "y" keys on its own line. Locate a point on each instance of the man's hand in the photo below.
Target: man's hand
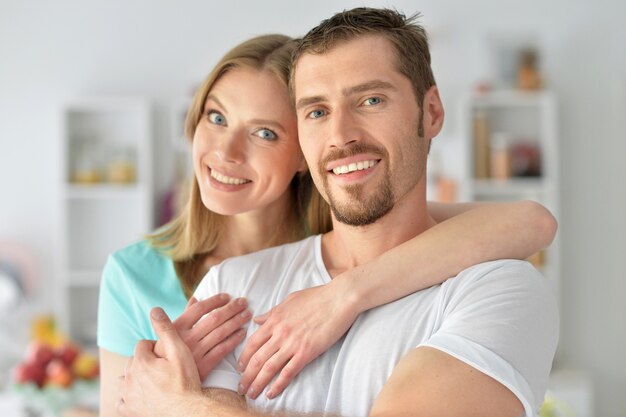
{"x": 156, "y": 386}
{"x": 211, "y": 328}
{"x": 292, "y": 334}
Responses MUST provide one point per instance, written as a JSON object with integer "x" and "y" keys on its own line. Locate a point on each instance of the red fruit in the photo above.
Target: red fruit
{"x": 39, "y": 354}
{"x": 29, "y": 372}
{"x": 67, "y": 353}
{"x": 58, "y": 373}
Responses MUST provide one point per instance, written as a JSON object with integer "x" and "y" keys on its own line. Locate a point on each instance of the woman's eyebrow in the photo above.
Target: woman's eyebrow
{"x": 212, "y": 97}
{"x": 269, "y": 123}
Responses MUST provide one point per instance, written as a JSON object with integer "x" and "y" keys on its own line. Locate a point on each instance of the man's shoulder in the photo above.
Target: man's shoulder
{"x": 502, "y": 272}
{"x": 276, "y": 257}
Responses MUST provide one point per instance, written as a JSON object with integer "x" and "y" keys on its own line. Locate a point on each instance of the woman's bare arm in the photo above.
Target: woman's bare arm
{"x": 466, "y": 234}
{"x": 299, "y": 328}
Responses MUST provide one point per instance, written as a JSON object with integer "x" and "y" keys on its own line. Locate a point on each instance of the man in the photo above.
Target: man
{"x": 478, "y": 345}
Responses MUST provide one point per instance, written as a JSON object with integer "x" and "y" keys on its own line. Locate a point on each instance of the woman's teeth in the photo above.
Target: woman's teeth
{"x": 227, "y": 180}
{"x": 355, "y": 166}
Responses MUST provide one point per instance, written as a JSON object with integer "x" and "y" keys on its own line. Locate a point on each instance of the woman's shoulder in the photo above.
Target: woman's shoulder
{"x": 140, "y": 252}
{"x": 140, "y": 260}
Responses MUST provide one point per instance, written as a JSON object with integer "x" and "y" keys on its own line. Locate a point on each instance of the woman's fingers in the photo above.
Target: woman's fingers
{"x": 267, "y": 372}
{"x": 260, "y": 319}
{"x": 219, "y": 334}
{"x": 217, "y": 317}
{"x": 288, "y": 373}
{"x": 219, "y": 352}
{"x": 191, "y": 301}
{"x": 255, "y": 364}
{"x": 254, "y": 343}
{"x": 195, "y": 311}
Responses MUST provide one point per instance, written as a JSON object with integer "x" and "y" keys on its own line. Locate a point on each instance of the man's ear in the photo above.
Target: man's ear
{"x": 433, "y": 113}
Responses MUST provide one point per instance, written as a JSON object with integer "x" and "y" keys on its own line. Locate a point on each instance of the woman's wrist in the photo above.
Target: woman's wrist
{"x": 349, "y": 287}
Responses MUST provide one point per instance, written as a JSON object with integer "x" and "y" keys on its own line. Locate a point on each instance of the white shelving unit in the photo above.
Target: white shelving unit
{"x": 106, "y": 198}
{"x": 513, "y": 118}
{"x": 180, "y": 144}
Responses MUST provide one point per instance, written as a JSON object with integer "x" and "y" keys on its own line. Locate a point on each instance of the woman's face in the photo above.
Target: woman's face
{"x": 245, "y": 147}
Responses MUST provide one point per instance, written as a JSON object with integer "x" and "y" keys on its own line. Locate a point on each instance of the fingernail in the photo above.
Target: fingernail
{"x": 240, "y": 367}
{"x": 158, "y": 313}
{"x": 270, "y": 394}
{"x": 241, "y": 389}
{"x": 251, "y": 392}
{"x": 242, "y": 301}
{"x": 246, "y": 314}
{"x": 224, "y": 297}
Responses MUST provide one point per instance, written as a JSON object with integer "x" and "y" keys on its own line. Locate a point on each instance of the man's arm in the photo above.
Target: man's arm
{"x": 491, "y": 356}
{"x": 437, "y": 384}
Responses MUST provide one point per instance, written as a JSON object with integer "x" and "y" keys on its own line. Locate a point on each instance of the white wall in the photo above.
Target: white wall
{"x": 52, "y": 50}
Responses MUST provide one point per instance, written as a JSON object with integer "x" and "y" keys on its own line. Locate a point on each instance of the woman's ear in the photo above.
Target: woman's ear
{"x": 303, "y": 167}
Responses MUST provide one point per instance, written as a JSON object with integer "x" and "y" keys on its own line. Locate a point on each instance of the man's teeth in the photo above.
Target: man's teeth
{"x": 227, "y": 180}
{"x": 355, "y": 166}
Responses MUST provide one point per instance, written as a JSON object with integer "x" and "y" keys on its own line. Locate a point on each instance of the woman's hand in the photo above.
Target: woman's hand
{"x": 211, "y": 328}
{"x": 292, "y": 334}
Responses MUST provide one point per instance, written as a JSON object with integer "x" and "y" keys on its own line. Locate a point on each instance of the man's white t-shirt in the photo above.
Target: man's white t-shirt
{"x": 499, "y": 317}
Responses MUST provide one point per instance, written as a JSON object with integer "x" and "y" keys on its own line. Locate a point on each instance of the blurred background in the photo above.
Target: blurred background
{"x": 93, "y": 95}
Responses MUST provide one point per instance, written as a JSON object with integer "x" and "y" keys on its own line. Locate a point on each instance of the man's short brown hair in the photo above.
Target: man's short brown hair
{"x": 408, "y": 38}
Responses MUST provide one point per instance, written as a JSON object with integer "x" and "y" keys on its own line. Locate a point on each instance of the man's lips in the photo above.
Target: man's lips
{"x": 353, "y": 163}
{"x": 354, "y": 166}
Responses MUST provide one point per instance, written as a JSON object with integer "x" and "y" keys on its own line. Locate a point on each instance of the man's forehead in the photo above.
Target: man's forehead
{"x": 348, "y": 64}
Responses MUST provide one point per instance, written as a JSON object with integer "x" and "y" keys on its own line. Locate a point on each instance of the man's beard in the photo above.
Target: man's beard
{"x": 360, "y": 210}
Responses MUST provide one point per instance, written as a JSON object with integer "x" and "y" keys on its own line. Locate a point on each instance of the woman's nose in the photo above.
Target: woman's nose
{"x": 231, "y": 148}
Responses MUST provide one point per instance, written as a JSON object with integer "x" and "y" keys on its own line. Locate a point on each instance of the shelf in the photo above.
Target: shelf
{"x": 509, "y": 98}
{"x": 512, "y": 132}
{"x": 103, "y": 190}
{"x": 107, "y": 139}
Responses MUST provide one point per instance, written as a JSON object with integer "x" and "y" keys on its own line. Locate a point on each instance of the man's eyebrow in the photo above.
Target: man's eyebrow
{"x": 367, "y": 86}
{"x": 361, "y": 88}
{"x": 306, "y": 101}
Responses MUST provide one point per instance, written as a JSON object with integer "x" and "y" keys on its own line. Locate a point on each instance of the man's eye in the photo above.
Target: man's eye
{"x": 266, "y": 134}
{"x": 316, "y": 114}
{"x": 372, "y": 101}
{"x": 216, "y": 118}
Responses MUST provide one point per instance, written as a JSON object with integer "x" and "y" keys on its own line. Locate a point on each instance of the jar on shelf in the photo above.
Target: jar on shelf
{"x": 121, "y": 166}
{"x": 501, "y": 166}
{"x": 86, "y": 167}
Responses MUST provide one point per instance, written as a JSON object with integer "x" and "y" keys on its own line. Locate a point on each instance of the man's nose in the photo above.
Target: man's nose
{"x": 344, "y": 129}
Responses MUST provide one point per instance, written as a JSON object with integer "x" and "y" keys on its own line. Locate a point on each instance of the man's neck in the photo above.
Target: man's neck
{"x": 349, "y": 246}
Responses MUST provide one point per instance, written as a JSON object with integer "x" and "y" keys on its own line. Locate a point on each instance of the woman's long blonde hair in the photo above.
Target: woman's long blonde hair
{"x": 196, "y": 231}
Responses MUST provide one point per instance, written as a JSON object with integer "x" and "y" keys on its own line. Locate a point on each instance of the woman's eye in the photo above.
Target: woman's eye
{"x": 316, "y": 114}
{"x": 266, "y": 134}
{"x": 372, "y": 101}
{"x": 216, "y": 118}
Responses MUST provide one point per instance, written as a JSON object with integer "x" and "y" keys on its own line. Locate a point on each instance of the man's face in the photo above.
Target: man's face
{"x": 357, "y": 123}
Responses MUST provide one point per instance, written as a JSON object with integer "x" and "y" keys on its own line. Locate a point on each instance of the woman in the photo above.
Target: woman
{"x": 251, "y": 190}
